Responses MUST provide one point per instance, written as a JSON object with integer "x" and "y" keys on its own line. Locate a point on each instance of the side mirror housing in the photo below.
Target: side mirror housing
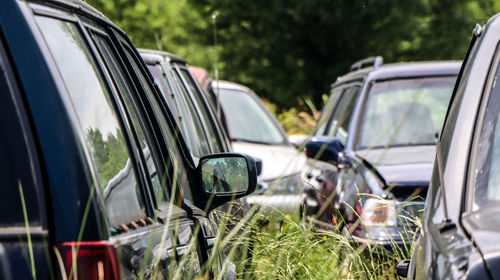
{"x": 225, "y": 177}
{"x": 324, "y": 148}
{"x": 258, "y": 165}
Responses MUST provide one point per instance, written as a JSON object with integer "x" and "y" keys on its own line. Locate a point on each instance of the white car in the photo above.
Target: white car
{"x": 256, "y": 132}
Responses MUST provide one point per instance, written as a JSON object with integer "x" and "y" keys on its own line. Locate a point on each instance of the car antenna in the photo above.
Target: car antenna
{"x": 446, "y": 224}
{"x": 216, "y": 70}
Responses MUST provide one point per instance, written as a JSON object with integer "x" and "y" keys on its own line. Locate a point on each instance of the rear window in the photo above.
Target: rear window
{"x": 97, "y": 119}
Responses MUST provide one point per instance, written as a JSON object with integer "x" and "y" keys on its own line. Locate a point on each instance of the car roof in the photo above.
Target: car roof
{"x": 229, "y": 85}
{"x": 403, "y": 69}
{"x": 78, "y": 7}
{"x": 156, "y": 55}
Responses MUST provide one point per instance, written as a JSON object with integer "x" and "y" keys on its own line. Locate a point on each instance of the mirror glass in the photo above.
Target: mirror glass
{"x": 224, "y": 175}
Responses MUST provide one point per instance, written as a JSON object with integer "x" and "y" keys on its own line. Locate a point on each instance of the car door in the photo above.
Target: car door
{"x": 166, "y": 205}
{"x": 124, "y": 158}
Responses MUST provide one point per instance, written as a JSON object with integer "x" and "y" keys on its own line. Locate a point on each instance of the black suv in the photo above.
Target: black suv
{"x": 461, "y": 227}
{"x": 96, "y": 183}
{"x": 375, "y": 143}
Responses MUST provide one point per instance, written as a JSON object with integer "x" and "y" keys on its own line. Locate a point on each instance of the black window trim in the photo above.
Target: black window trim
{"x": 124, "y": 41}
{"x": 132, "y": 132}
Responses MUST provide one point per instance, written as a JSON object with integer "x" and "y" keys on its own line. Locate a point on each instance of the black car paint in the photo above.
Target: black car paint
{"x": 469, "y": 250}
{"x": 41, "y": 123}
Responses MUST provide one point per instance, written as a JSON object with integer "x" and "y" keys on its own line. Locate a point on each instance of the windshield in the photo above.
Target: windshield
{"x": 405, "y": 112}
{"x": 247, "y": 119}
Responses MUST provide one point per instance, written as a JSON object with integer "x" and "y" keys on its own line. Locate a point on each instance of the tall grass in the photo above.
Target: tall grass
{"x": 284, "y": 246}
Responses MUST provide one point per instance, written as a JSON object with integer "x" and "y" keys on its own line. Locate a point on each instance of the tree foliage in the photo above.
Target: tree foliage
{"x": 295, "y": 48}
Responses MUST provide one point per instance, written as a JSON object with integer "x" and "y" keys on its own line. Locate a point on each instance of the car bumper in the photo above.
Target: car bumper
{"x": 279, "y": 204}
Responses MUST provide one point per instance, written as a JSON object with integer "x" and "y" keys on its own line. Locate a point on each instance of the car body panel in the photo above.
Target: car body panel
{"x": 456, "y": 141}
{"x": 397, "y": 165}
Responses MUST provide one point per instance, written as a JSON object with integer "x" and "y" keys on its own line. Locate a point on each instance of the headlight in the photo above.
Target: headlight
{"x": 379, "y": 213}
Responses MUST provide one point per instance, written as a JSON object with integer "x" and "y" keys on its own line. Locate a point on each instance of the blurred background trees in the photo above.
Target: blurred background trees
{"x": 291, "y": 49}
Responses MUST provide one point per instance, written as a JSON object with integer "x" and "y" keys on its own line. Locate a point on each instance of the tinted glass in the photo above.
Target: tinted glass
{"x": 191, "y": 114}
{"x": 247, "y": 119}
{"x": 97, "y": 119}
{"x": 327, "y": 111}
{"x": 176, "y": 164}
{"x": 405, "y": 112}
{"x": 145, "y": 140}
{"x": 186, "y": 118}
{"x": 339, "y": 124}
{"x": 203, "y": 111}
{"x": 487, "y": 171}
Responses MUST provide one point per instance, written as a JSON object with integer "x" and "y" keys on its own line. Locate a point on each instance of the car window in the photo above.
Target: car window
{"x": 327, "y": 111}
{"x": 487, "y": 165}
{"x": 160, "y": 79}
{"x": 404, "y": 111}
{"x": 203, "y": 110}
{"x": 339, "y": 123}
{"x": 192, "y": 114}
{"x": 176, "y": 165}
{"x": 139, "y": 123}
{"x": 98, "y": 120}
{"x": 247, "y": 119}
{"x": 187, "y": 118}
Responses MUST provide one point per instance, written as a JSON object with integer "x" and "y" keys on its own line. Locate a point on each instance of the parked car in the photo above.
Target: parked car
{"x": 95, "y": 183}
{"x": 255, "y": 131}
{"x": 195, "y": 115}
{"x": 373, "y": 148}
{"x": 460, "y": 230}
{"x": 190, "y": 108}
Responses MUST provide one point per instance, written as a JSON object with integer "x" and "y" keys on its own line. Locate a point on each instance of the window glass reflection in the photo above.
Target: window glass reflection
{"x": 98, "y": 120}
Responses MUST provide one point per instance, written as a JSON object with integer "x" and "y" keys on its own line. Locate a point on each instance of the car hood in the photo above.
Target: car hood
{"x": 277, "y": 160}
{"x": 410, "y": 165}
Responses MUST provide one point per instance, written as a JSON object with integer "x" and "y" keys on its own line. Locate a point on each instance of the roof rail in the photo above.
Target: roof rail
{"x": 375, "y": 61}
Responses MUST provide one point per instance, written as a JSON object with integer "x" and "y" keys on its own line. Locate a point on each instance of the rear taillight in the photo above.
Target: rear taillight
{"x": 89, "y": 260}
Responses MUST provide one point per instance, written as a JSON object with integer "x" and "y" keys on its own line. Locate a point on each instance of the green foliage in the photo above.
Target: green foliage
{"x": 111, "y": 154}
{"x": 162, "y": 25}
{"x": 289, "y": 49}
{"x": 286, "y": 50}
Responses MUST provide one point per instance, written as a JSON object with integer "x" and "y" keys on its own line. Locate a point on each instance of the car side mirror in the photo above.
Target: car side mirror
{"x": 258, "y": 165}
{"x": 324, "y": 148}
{"x": 225, "y": 177}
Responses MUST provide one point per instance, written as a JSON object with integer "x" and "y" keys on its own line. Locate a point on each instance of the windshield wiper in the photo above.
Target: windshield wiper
{"x": 252, "y": 141}
{"x": 397, "y": 145}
